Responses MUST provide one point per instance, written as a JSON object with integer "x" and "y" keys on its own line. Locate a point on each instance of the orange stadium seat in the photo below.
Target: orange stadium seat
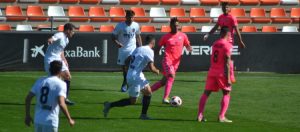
{"x": 295, "y": 14}
{"x": 69, "y": 1}
{"x": 14, "y": 13}
{"x": 209, "y": 2}
{"x": 249, "y": 29}
{"x": 118, "y": 12}
{"x": 188, "y": 29}
{"x": 150, "y": 2}
{"x": 170, "y": 2}
{"x": 89, "y": 1}
{"x": 258, "y": 15}
{"x": 139, "y": 13}
{"x": 269, "y": 29}
{"x": 240, "y": 14}
{"x": 5, "y": 27}
{"x": 147, "y": 28}
{"x": 3, "y": 1}
{"x": 199, "y": 12}
{"x": 43, "y": 26}
{"x": 96, "y": 11}
{"x": 48, "y": 1}
{"x": 36, "y": 13}
{"x": 278, "y": 15}
{"x": 231, "y": 2}
{"x": 269, "y": 2}
{"x": 130, "y": 2}
{"x": 179, "y": 13}
{"x": 106, "y": 28}
{"x": 249, "y": 2}
{"x": 75, "y": 12}
{"x": 165, "y": 28}
{"x": 86, "y": 28}
{"x": 60, "y": 28}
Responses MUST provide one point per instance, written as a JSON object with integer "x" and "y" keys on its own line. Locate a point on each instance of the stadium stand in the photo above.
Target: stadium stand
{"x": 28, "y": 1}
{"x": 14, "y": 13}
{"x": 269, "y": 29}
{"x": 89, "y": 1}
{"x": 69, "y": 1}
{"x": 130, "y": 2}
{"x": 209, "y": 2}
{"x": 269, "y": 2}
{"x": 278, "y": 15}
{"x": 117, "y": 14}
{"x": 206, "y": 28}
{"x": 110, "y": 1}
{"x": 240, "y": 14}
{"x": 57, "y": 12}
{"x": 249, "y": 2}
{"x": 5, "y": 27}
{"x": 198, "y": 15}
{"x": 2, "y": 18}
{"x": 60, "y": 28}
{"x": 188, "y": 29}
{"x": 215, "y": 13}
{"x": 190, "y": 2}
{"x": 106, "y": 28}
{"x": 180, "y": 13}
{"x": 140, "y": 14}
{"x": 150, "y": 2}
{"x": 96, "y": 11}
{"x": 24, "y": 28}
{"x": 258, "y": 15}
{"x": 165, "y": 28}
{"x": 160, "y": 13}
{"x": 48, "y": 1}
{"x": 249, "y": 29}
{"x": 170, "y": 2}
{"x": 86, "y": 28}
{"x": 295, "y": 14}
{"x": 36, "y": 13}
{"x": 148, "y": 28}
{"x": 289, "y": 2}
{"x": 76, "y": 13}
{"x": 289, "y": 29}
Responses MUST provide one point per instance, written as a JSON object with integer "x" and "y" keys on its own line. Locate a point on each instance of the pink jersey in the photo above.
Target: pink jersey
{"x": 173, "y": 44}
{"x": 229, "y": 21}
{"x": 220, "y": 49}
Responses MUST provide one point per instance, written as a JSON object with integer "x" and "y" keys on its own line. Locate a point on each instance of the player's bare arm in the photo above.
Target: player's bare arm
{"x": 228, "y": 59}
{"x": 139, "y": 40}
{"x": 115, "y": 40}
{"x": 241, "y": 43}
{"x": 213, "y": 30}
{"x": 189, "y": 48}
{"x": 28, "y": 119}
{"x": 50, "y": 40}
{"x": 63, "y": 106}
{"x": 153, "y": 68}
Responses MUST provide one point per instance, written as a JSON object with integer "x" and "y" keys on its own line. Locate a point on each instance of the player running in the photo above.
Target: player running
{"x": 55, "y": 51}
{"x": 136, "y": 81}
{"x": 218, "y": 75}
{"x": 50, "y": 95}
{"x": 125, "y": 36}
{"x": 173, "y": 43}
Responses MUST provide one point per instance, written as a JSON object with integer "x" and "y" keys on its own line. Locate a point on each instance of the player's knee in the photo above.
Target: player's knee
{"x": 225, "y": 92}
{"x": 133, "y": 101}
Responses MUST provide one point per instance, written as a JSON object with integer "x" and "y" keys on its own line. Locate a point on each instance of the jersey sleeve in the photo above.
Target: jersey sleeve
{"x": 219, "y": 20}
{"x": 62, "y": 90}
{"x": 57, "y": 36}
{"x": 186, "y": 41}
{"x": 150, "y": 56}
{"x": 162, "y": 41}
{"x": 36, "y": 86}
{"x": 227, "y": 50}
{"x": 117, "y": 29}
{"x": 138, "y": 31}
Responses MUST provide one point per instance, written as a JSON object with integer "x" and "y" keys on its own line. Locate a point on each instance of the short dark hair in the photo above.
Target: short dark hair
{"x": 173, "y": 20}
{"x": 69, "y": 26}
{"x": 129, "y": 13}
{"x": 224, "y": 3}
{"x": 55, "y": 67}
{"x": 224, "y": 30}
{"x": 149, "y": 38}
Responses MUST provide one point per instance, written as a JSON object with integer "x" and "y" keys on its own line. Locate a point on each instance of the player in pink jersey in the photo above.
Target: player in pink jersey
{"x": 173, "y": 43}
{"x": 218, "y": 75}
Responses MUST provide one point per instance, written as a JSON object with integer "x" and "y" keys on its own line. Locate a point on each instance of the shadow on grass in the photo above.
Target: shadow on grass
{"x": 128, "y": 118}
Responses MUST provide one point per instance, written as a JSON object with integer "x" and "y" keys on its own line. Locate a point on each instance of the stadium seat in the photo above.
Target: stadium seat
{"x": 24, "y": 28}
{"x": 2, "y": 1}
{"x": 147, "y": 28}
{"x": 240, "y": 14}
{"x": 278, "y": 15}
{"x": 295, "y": 14}
{"x": 14, "y": 13}
{"x": 28, "y": 1}
{"x": 249, "y": 29}
{"x": 190, "y": 2}
{"x": 165, "y": 28}
{"x": 289, "y": 2}
{"x": 179, "y": 13}
{"x": 215, "y": 13}
{"x": 44, "y": 27}
{"x": 258, "y": 15}
{"x": 249, "y": 2}
{"x": 110, "y": 1}
{"x": 199, "y": 12}
{"x": 170, "y": 2}
{"x": 209, "y": 2}
{"x": 269, "y": 29}
{"x": 117, "y": 14}
{"x": 86, "y": 28}
{"x": 188, "y": 29}
{"x": 5, "y": 27}
{"x": 158, "y": 12}
{"x": 206, "y": 28}
{"x": 140, "y": 14}
{"x": 48, "y": 1}
{"x": 289, "y": 29}
{"x": 89, "y": 1}
{"x": 2, "y": 18}
{"x": 269, "y": 2}
{"x": 36, "y": 13}
{"x": 77, "y": 14}
{"x": 96, "y": 11}
{"x": 60, "y": 28}
{"x": 57, "y": 12}
{"x": 130, "y": 2}
{"x": 150, "y": 2}
{"x": 69, "y": 1}
{"x": 106, "y": 28}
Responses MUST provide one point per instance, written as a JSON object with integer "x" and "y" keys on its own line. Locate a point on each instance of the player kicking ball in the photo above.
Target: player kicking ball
{"x": 140, "y": 58}
{"x": 218, "y": 75}
{"x": 50, "y": 95}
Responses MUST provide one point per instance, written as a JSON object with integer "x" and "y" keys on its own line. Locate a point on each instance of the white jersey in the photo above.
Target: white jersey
{"x": 55, "y": 49}
{"x": 47, "y": 91}
{"x": 140, "y": 59}
{"x": 126, "y": 35}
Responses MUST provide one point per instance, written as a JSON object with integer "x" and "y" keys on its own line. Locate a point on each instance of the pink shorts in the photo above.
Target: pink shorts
{"x": 169, "y": 68}
{"x": 214, "y": 84}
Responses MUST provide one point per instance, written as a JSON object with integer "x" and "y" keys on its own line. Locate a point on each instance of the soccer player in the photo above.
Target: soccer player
{"x": 126, "y": 36}
{"x": 55, "y": 51}
{"x": 50, "y": 95}
{"x": 140, "y": 58}
{"x": 173, "y": 43}
{"x": 218, "y": 75}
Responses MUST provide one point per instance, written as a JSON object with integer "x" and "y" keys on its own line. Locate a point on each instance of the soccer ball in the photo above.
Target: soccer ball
{"x": 176, "y": 101}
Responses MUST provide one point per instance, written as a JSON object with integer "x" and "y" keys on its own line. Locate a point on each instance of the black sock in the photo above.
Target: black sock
{"x": 124, "y": 78}
{"x": 120, "y": 103}
{"x": 146, "y": 103}
{"x": 68, "y": 82}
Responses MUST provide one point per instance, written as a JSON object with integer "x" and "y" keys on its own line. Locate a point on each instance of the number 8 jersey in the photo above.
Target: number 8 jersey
{"x": 47, "y": 91}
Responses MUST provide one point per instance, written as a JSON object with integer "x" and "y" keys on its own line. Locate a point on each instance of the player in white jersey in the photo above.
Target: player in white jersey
{"x": 140, "y": 58}
{"x": 126, "y": 35}
{"x": 55, "y": 51}
{"x": 50, "y": 95}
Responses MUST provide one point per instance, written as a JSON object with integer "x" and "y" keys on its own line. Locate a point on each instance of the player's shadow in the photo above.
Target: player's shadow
{"x": 129, "y": 118}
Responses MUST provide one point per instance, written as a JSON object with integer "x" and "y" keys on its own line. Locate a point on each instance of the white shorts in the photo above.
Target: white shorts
{"x": 44, "y": 128}
{"x": 123, "y": 55}
{"x": 47, "y": 66}
{"x": 135, "y": 85}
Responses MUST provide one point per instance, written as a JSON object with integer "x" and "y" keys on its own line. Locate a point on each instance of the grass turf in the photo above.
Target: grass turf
{"x": 260, "y": 102}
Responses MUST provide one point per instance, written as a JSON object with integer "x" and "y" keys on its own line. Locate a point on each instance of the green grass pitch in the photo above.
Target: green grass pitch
{"x": 260, "y": 102}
